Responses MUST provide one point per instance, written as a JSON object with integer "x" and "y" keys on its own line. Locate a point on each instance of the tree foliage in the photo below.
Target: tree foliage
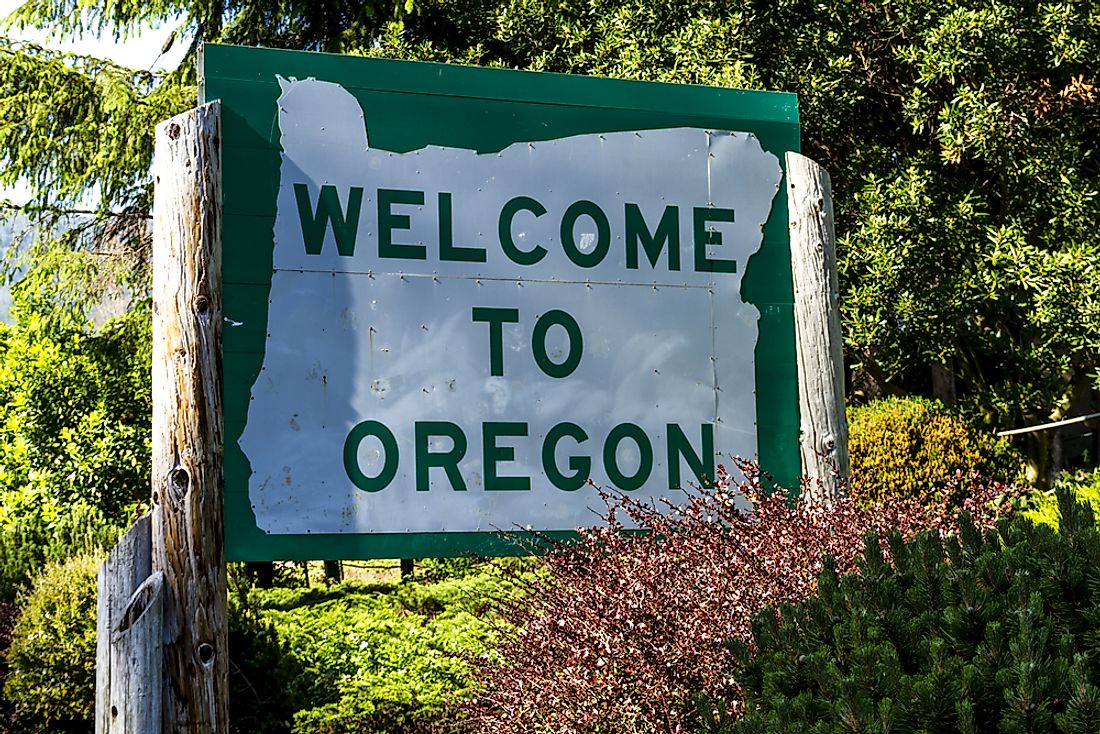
{"x": 79, "y": 132}
{"x": 962, "y": 143}
{"x": 75, "y": 408}
{"x": 962, "y": 139}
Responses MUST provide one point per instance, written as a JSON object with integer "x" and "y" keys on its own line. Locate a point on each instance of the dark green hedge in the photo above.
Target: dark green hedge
{"x": 999, "y": 633}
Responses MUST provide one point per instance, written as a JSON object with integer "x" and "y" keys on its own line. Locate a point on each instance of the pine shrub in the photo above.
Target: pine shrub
{"x": 913, "y": 446}
{"x": 621, "y": 629}
{"x": 993, "y": 632}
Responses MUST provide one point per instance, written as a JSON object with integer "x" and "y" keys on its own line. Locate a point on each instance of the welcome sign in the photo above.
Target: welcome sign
{"x": 456, "y": 299}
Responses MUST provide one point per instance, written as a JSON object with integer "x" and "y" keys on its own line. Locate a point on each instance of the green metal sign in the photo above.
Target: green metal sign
{"x": 458, "y": 299}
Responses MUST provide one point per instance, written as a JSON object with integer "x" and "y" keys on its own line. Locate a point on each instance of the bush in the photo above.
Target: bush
{"x": 8, "y": 614}
{"x": 51, "y": 677}
{"x": 33, "y": 536}
{"x": 961, "y": 634}
{"x": 51, "y": 683}
{"x": 1042, "y": 507}
{"x": 384, "y": 657}
{"x": 265, "y": 679}
{"x": 622, "y": 629}
{"x": 912, "y": 446}
{"x": 441, "y": 569}
{"x": 325, "y": 660}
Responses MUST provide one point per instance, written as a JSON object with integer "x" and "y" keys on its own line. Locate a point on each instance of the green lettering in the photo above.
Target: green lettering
{"x": 496, "y": 318}
{"x": 314, "y": 223}
{"x": 603, "y": 234}
{"x": 538, "y": 343}
{"x": 668, "y": 231}
{"x": 504, "y": 230}
{"x": 388, "y": 222}
{"x": 493, "y": 454}
{"x": 611, "y": 459}
{"x": 446, "y": 460}
{"x": 701, "y": 464}
{"x": 581, "y": 465}
{"x": 704, "y": 237}
{"x": 447, "y": 249}
{"x": 351, "y": 456}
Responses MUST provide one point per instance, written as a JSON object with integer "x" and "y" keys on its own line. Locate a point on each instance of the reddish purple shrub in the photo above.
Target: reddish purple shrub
{"x": 622, "y": 629}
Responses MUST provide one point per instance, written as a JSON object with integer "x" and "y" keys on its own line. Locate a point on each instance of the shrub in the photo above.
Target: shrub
{"x": 440, "y": 569}
{"x": 8, "y": 614}
{"x": 959, "y": 634}
{"x": 34, "y": 533}
{"x": 265, "y": 679}
{"x": 622, "y": 629}
{"x": 384, "y": 657}
{"x": 912, "y": 446}
{"x": 51, "y": 678}
{"x": 1042, "y": 507}
{"x": 51, "y": 683}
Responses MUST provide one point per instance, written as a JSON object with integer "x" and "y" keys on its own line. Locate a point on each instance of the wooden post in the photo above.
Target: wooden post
{"x": 129, "y": 624}
{"x": 334, "y": 572}
{"x": 824, "y": 426}
{"x": 187, "y": 420}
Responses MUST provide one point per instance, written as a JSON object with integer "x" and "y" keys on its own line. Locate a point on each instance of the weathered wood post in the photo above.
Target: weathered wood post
{"x": 187, "y": 540}
{"x": 824, "y": 427}
{"x": 129, "y": 624}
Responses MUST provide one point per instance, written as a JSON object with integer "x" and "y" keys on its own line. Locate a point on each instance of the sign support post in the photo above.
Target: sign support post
{"x": 823, "y": 440}
{"x": 188, "y": 481}
{"x": 129, "y": 624}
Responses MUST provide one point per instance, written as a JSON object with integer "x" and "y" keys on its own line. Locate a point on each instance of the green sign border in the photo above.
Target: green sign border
{"x": 413, "y": 104}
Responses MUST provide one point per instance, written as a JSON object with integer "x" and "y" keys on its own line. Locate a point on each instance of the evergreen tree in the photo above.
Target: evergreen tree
{"x": 79, "y": 130}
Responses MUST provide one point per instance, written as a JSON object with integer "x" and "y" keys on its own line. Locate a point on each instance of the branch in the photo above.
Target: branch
{"x": 15, "y": 47}
{"x": 31, "y": 209}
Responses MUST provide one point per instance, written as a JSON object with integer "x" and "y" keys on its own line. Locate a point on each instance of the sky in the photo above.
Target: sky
{"x": 139, "y": 52}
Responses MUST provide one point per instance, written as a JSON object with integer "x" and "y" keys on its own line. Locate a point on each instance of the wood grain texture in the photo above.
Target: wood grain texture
{"x": 823, "y": 440}
{"x": 188, "y": 478}
{"x": 129, "y": 632}
{"x": 137, "y": 662}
